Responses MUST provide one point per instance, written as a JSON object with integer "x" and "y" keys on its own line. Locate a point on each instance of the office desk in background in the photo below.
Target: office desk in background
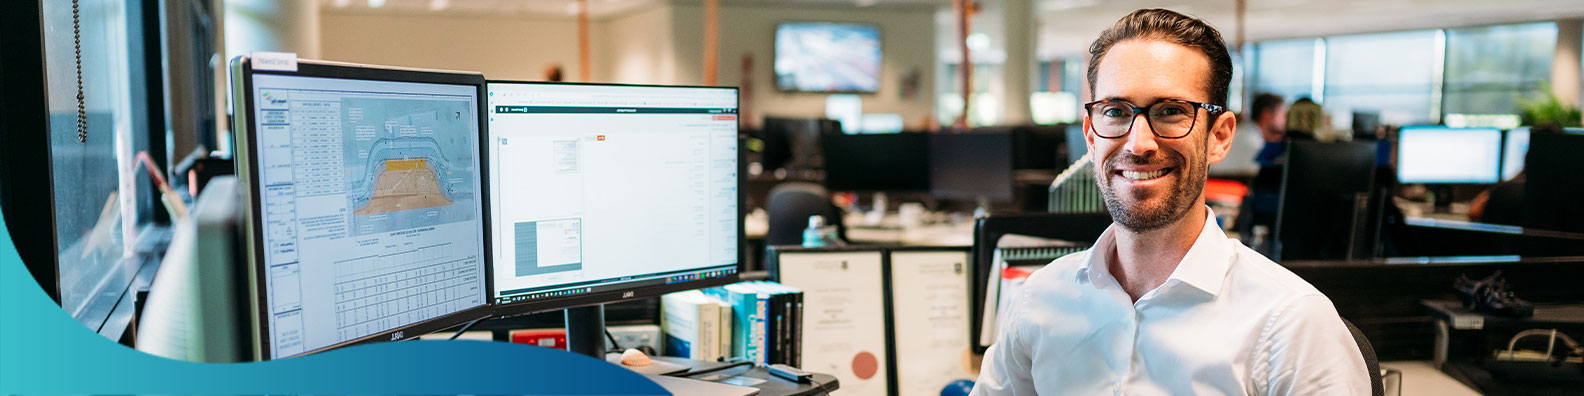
{"x": 947, "y": 234}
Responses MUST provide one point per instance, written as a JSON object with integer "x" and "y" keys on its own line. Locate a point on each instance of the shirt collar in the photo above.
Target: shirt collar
{"x": 1204, "y": 267}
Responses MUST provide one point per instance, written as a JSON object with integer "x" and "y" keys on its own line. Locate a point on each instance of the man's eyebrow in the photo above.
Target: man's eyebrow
{"x": 1150, "y": 102}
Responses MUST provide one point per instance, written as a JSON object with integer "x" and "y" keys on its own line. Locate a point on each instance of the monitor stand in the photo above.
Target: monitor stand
{"x": 585, "y": 327}
{"x": 585, "y": 330}
{"x": 1443, "y": 197}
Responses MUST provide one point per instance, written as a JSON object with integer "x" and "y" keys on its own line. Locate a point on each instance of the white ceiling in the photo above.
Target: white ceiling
{"x": 568, "y": 8}
{"x": 1067, "y": 26}
{"x": 500, "y": 8}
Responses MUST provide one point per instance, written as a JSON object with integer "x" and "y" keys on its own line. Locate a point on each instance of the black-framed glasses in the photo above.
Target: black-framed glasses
{"x": 1168, "y": 118}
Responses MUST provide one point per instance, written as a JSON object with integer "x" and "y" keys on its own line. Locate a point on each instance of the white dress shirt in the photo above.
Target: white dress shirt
{"x": 1227, "y": 321}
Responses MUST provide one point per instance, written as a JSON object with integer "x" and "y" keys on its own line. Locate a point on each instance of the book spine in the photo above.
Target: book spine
{"x": 708, "y": 345}
{"x": 797, "y": 332}
{"x": 761, "y": 307}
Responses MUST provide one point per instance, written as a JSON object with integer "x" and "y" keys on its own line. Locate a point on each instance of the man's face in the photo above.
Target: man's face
{"x": 1273, "y": 123}
{"x": 1147, "y": 181}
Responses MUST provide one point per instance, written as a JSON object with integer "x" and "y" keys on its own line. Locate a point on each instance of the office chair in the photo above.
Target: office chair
{"x": 790, "y": 205}
{"x": 1371, "y": 362}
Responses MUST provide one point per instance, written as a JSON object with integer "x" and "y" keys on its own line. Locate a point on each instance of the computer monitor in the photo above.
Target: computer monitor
{"x": 877, "y": 163}
{"x": 1553, "y": 185}
{"x": 1325, "y": 209}
{"x": 1035, "y": 147}
{"x": 604, "y": 193}
{"x": 971, "y": 166}
{"x": 1441, "y": 155}
{"x": 1515, "y": 145}
{"x": 364, "y": 213}
{"x": 1076, "y": 146}
{"x": 1365, "y": 123}
{"x": 794, "y": 143}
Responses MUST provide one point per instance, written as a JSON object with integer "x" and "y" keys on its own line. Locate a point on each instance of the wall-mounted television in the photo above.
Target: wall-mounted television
{"x": 827, "y": 57}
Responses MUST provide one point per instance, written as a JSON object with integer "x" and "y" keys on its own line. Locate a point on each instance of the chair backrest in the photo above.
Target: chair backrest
{"x": 790, "y": 205}
{"x": 1377, "y": 388}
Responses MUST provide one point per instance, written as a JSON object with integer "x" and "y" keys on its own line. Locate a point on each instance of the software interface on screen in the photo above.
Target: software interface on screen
{"x": 1513, "y": 152}
{"x": 369, "y": 197}
{"x": 599, "y": 187}
{"x": 1447, "y": 155}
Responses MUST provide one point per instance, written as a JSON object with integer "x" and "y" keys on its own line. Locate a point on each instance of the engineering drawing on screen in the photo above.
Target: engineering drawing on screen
{"x": 370, "y": 212}
{"x": 405, "y": 163}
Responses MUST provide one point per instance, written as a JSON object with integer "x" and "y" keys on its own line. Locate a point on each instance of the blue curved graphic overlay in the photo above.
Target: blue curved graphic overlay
{"x": 44, "y": 351}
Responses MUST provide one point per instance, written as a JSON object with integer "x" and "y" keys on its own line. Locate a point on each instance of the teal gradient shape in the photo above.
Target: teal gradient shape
{"x": 45, "y": 351}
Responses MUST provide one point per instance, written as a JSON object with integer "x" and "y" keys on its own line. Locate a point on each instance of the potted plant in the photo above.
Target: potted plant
{"x": 1549, "y": 113}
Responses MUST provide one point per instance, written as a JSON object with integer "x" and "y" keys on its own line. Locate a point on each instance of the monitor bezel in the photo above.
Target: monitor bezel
{"x": 503, "y": 310}
{"x": 1397, "y": 148}
{"x": 248, "y": 168}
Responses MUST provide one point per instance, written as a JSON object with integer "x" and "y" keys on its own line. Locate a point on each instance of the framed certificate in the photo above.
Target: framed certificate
{"x": 844, "y": 314}
{"x": 930, "y": 316}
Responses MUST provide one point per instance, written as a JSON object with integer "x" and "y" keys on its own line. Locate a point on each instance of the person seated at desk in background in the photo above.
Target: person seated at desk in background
{"x": 1503, "y": 203}
{"x": 1163, "y": 303}
{"x": 1261, "y": 127}
{"x": 1268, "y": 114}
{"x": 1259, "y": 207}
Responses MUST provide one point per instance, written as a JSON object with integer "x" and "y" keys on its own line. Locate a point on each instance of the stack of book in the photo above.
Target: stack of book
{"x": 696, "y": 326}
{"x": 757, "y": 321}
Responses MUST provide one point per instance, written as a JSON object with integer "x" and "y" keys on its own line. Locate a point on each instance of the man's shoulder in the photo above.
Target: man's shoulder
{"x": 1273, "y": 282}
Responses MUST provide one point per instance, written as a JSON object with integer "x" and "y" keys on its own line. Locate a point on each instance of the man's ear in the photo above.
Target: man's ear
{"x": 1088, "y": 134}
{"x": 1220, "y": 139}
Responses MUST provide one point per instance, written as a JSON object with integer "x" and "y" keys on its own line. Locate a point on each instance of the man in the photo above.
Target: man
{"x": 1255, "y": 134}
{"x": 1164, "y": 303}
{"x": 1269, "y": 114}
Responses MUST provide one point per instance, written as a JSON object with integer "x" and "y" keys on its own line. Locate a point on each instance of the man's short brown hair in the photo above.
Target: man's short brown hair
{"x": 1172, "y": 27}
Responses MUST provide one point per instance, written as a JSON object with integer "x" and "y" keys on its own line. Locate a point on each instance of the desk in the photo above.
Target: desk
{"x": 959, "y": 234}
{"x": 1464, "y": 339}
{"x": 1421, "y": 378}
{"x": 771, "y": 385}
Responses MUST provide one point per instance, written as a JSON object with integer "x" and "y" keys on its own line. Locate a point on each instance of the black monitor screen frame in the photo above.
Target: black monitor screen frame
{"x": 1324, "y": 202}
{"x": 624, "y": 291}
{"x": 242, "y": 80}
{"x": 864, "y": 163}
{"x": 988, "y": 158}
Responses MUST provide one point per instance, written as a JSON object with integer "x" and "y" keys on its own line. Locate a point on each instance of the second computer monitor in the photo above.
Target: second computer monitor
{"x": 877, "y": 163}
{"x": 972, "y": 166}
{"x": 1514, "y": 147}
{"x": 607, "y": 192}
{"x": 1441, "y": 155}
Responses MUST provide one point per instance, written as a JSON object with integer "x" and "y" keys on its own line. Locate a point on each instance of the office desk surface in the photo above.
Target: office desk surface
{"x": 770, "y": 385}
{"x": 1420, "y": 378}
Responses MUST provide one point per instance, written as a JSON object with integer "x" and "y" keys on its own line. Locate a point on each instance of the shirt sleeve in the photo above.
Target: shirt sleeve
{"x": 1306, "y": 350}
{"x": 1005, "y": 370}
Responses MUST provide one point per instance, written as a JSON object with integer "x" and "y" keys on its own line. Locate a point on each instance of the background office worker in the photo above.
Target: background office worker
{"x": 1164, "y": 303}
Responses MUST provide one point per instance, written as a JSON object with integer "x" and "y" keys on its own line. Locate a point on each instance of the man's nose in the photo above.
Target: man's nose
{"x": 1141, "y": 141}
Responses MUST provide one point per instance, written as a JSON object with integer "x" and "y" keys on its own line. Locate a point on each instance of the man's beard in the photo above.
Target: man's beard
{"x": 1140, "y": 216}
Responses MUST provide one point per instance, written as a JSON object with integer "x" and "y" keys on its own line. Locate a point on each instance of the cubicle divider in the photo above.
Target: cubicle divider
{"x": 885, "y": 320}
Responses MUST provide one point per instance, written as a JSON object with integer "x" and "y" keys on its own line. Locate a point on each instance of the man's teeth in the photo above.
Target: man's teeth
{"x": 1143, "y": 175}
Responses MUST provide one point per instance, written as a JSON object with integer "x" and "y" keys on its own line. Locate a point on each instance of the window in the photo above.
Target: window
{"x": 1389, "y": 73}
{"x": 100, "y": 197}
{"x": 1488, "y": 69}
{"x": 1284, "y": 67}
